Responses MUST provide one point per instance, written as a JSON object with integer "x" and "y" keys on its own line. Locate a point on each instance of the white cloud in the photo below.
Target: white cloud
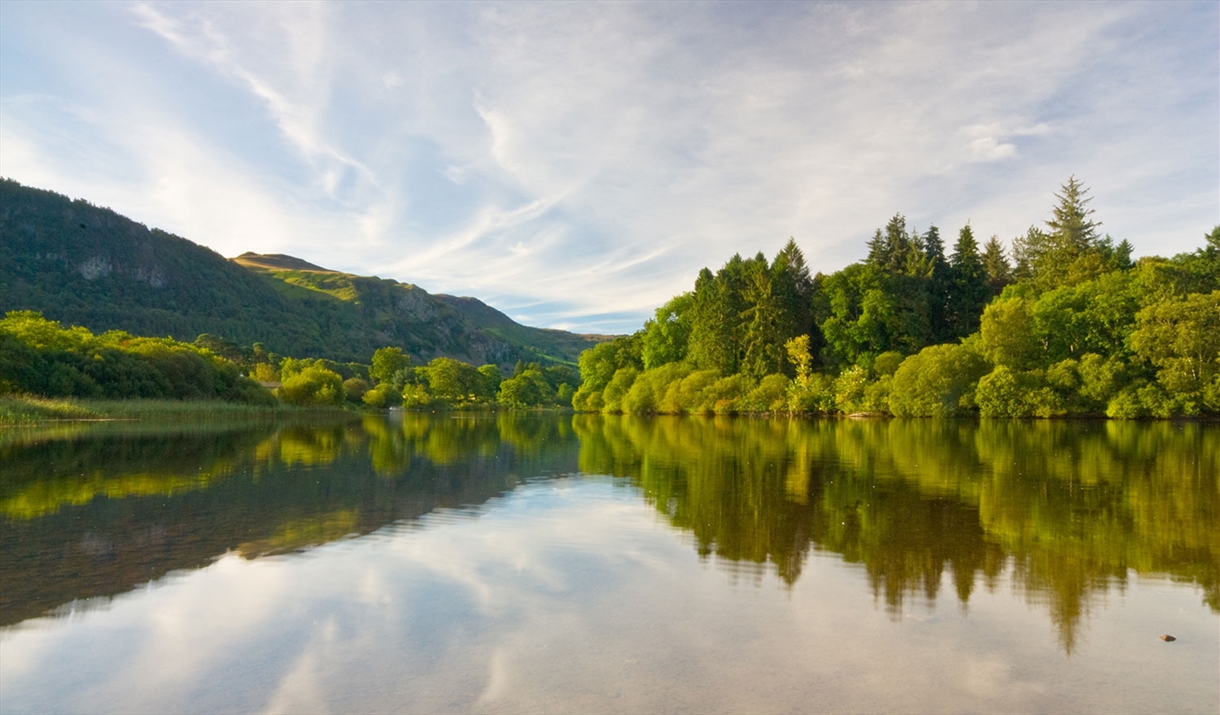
{"x": 580, "y": 163}
{"x": 988, "y": 149}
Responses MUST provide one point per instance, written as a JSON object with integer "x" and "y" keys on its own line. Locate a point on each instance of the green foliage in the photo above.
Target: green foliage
{"x": 455, "y": 382}
{"x": 617, "y": 388}
{"x": 769, "y": 395}
{"x": 264, "y": 372}
{"x": 1007, "y": 333}
{"x": 1013, "y": 393}
{"x": 1073, "y": 328}
{"x": 29, "y": 410}
{"x": 382, "y": 396}
{"x": 84, "y": 265}
{"x": 1100, "y": 380}
{"x": 649, "y": 389}
{"x": 762, "y": 320}
{"x": 799, "y": 357}
{"x": 741, "y": 316}
{"x": 387, "y": 362}
{"x": 1181, "y": 338}
{"x": 850, "y": 387}
{"x": 995, "y": 263}
{"x": 598, "y": 366}
{"x": 887, "y": 363}
{"x": 416, "y": 396}
{"x": 528, "y": 389}
{"x": 687, "y": 396}
{"x": 937, "y": 382}
{"x": 38, "y": 356}
{"x": 355, "y": 388}
{"x": 524, "y": 390}
{"x": 1093, "y": 316}
{"x": 313, "y": 386}
{"x": 969, "y": 290}
{"x": 863, "y": 311}
{"x": 492, "y": 377}
{"x": 723, "y": 397}
{"x": 667, "y": 334}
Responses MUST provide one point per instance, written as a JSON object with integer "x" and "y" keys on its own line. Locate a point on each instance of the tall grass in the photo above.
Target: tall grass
{"x": 20, "y": 410}
{"x": 28, "y": 410}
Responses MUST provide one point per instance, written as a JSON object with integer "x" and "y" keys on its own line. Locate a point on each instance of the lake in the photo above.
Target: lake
{"x": 578, "y": 563}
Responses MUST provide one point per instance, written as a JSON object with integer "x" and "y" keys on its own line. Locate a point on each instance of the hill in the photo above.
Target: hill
{"x": 81, "y": 264}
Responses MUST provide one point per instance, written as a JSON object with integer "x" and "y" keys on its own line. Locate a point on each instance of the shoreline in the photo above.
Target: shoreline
{"x": 29, "y": 410}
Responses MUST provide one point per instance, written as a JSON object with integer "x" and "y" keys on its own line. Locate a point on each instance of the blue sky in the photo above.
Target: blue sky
{"x": 576, "y": 164}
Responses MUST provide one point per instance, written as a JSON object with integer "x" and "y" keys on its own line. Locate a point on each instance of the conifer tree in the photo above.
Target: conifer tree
{"x": 794, "y": 288}
{"x": 995, "y": 263}
{"x": 934, "y": 249}
{"x": 939, "y": 284}
{"x": 1069, "y": 251}
{"x": 891, "y": 249}
{"x": 878, "y": 251}
{"x": 762, "y": 320}
{"x": 1071, "y": 225}
{"x": 969, "y": 291}
{"x": 715, "y": 341}
{"x": 898, "y": 244}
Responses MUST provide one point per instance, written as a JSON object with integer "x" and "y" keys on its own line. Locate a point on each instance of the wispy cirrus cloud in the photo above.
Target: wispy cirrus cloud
{"x": 577, "y": 164}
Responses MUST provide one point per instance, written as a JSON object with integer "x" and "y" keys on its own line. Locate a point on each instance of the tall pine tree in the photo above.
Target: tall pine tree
{"x": 1070, "y": 225}
{"x": 995, "y": 263}
{"x": 968, "y": 291}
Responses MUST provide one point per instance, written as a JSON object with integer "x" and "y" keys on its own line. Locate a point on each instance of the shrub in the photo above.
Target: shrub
{"x": 264, "y": 372}
{"x": 722, "y": 396}
{"x": 313, "y": 386}
{"x": 416, "y": 397}
{"x": 382, "y": 396}
{"x": 849, "y": 389}
{"x": 1007, "y": 393}
{"x": 617, "y": 388}
{"x": 529, "y": 389}
{"x": 771, "y": 395}
{"x": 686, "y": 395}
{"x": 354, "y": 388}
{"x": 648, "y": 391}
{"x": 936, "y": 382}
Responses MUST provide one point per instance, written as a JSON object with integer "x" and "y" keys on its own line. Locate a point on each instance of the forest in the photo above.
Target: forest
{"x": 39, "y": 357}
{"x": 1061, "y": 323}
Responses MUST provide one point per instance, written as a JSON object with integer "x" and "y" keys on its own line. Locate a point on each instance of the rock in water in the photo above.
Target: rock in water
{"x": 1168, "y": 638}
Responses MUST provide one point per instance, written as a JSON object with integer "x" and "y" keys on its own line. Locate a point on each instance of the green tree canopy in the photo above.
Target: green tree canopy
{"x": 386, "y": 362}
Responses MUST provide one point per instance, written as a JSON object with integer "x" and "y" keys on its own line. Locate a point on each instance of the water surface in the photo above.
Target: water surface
{"x": 509, "y": 563}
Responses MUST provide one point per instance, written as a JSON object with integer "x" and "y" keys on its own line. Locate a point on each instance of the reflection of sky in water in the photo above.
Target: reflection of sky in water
{"x": 572, "y": 595}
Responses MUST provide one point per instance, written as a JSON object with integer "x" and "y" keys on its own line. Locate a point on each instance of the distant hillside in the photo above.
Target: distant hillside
{"x": 389, "y": 301}
{"x": 276, "y": 262}
{"x": 84, "y": 265}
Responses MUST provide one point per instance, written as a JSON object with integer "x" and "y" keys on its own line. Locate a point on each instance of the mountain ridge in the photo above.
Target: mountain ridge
{"x": 81, "y": 264}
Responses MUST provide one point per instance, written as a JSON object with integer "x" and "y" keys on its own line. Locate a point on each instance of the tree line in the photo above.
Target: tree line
{"x": 42, "y": 358}
{"x": 1061, "y": 323}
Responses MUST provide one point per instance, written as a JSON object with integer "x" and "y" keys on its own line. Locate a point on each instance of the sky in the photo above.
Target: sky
{"x": 576, "y": 164}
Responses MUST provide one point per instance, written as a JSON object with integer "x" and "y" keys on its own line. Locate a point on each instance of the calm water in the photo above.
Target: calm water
{"x": 542, "y": 563}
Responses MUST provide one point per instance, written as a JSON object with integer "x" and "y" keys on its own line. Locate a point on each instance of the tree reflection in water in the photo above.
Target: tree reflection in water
{"x": 1069, "y": 509}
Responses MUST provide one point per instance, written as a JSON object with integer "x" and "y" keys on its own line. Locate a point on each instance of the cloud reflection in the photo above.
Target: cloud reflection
{"x": 565, "y": 595}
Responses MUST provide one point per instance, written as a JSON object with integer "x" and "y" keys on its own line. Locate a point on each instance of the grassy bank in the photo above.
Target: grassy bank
{"x": 22, "y": 410}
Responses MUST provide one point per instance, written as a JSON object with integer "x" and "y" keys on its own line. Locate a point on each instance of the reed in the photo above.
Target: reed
{"x": 19, "y": 410}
